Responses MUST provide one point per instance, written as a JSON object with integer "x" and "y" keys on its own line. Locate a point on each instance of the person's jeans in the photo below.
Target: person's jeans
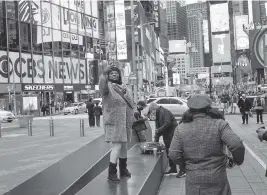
{"x": 244, "y": 117}
{"x": 97, "y": 118}
{"x": 91, "y": 120}
{"x": 259, "y": 115}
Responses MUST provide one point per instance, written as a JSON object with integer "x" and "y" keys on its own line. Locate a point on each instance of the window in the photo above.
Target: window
{"x": 25, "y": 39}
{"x": 13, "y": 34}
{"x": 3, "y": 33}
{"x": 12, "y": 9}
{"x": 2, "y": 9}
{"x": 163, "y": 101}
{"x": 36, "y": 40}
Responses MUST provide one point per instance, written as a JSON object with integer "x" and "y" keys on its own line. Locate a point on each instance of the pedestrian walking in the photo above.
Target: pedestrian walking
{"x": 90, "y": 108}
{"x": 97, "y": 113}
{"x": 165, "y": 127}
{"x": 245, "y": 107}
{"x": 234, "y": 101}
{"x": 118, "y": 118}
{"x": 140, "y": 120}
{"x": 43, "y": 109}
{"x": 258, "y": 104}
{"x": 199, "y": 144}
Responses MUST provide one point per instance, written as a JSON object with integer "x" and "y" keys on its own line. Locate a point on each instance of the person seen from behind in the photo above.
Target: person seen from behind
{"x": 165, "y": 126}
{"x": 244, "y": 106}
{"x": 259, "y": 104}
{"x": 234, "y": 100}
{"x": 90, "y": 108}
{"x": 97, "y": 113}
{"x": 118, "y": 117}
{"x": 199, "y": 144}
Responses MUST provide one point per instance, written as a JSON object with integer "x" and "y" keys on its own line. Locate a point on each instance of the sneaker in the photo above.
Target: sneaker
{"x": 181, "y": 174}
{"x": 171, "y": 171}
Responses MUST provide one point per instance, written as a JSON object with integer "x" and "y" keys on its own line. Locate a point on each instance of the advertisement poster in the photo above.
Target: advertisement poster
{"x": 206, "y": 36}
{"x": 219, "y": 17}
{"x": 221, "y": 48}
{"x": 241, "y": 38}
{"x": 120, "y": 30}
{"x": 30, "y": 103}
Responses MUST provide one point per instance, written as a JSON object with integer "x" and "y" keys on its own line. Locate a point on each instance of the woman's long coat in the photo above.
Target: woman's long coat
{"x": 199, "y": 145}
{"x": 117, "y": 114}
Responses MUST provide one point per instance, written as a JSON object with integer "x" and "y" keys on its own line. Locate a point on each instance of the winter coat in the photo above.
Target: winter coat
{"x": 90, "y": 108}
{"x": 255, "y": 103}
{"x": 199, "y": 146}
{"x": 244, "y": 106}
{"x": 165, "y": 121}
{"x": 117, "y": 114}
{"x": 97, "y": 111}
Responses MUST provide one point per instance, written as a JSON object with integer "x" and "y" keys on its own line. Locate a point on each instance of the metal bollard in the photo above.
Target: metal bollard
{"x": 29, "y": 128}
{"x": 51, "y": 125}
{"x": 81, "y": 127}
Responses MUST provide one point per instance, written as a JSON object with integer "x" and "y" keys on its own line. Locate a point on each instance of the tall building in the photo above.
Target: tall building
{"x": 176, "y": 21}
{"x": 196, "y": 13}
{"x": 259, "y": 12}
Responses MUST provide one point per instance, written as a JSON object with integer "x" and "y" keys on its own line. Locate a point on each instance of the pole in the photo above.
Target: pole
{"x": 167, "y": 79}
{"x": 138, "y": 71}
{"x": 29, "y": 128}
{"x": 81, "y": 127}
{"x": 134, "y": 68}
{"x": 51, "y": 125}
{"x": 14, "y": 91}
{"x": 0, "y": 129}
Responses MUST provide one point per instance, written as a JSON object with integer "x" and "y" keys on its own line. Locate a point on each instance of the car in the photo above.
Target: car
{"x": 6, "y": 116}
{"x": 75, "y": 108}
{"x": 174, "y": 104}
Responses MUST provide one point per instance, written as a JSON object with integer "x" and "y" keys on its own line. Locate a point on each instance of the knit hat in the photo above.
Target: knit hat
{"x": 141, "y": 103}
{"x": 199, "y": 101}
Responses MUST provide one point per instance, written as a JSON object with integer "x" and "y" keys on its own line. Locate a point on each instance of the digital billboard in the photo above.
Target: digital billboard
{"x": 221, "y": 49}
{"x": 219, "y": 17}
{"x": 206, "y": 36}
{"x": 177, "y": 46}
{"x": 241, "y": 38}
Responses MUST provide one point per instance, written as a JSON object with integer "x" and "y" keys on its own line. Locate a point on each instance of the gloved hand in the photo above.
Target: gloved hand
{"x": 107, "y": 69}
{"x": 261, "y": 132}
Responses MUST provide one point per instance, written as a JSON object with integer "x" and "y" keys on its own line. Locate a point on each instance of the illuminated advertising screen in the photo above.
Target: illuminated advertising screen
{"x": 221, "y": 48}
{"x": 241, "y": 38}
{"x": 177, "y": 46}
{"x": 206, "y": 36}
{"x": 120, "y": 30}
{"x": 219, "y": 17}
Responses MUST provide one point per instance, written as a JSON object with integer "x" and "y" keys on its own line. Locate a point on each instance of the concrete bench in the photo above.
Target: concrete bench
{"x": 147, "y": 172}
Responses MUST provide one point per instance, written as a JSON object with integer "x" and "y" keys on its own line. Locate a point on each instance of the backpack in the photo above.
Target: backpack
{"x": 259, "y": 102}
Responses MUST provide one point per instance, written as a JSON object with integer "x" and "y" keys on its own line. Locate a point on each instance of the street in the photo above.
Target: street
{"x": 23, "y": 156}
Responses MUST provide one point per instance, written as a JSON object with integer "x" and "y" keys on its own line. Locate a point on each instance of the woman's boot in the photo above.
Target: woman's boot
{"x": 112, "y": 172}
{"x": 123, "y": 168}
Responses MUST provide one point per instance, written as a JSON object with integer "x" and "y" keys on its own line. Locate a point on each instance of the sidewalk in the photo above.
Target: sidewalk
{"x": 249, "y": 178}
{"x": 24, "y": 156}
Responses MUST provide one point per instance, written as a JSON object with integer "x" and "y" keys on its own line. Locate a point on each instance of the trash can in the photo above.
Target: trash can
{"x": 23, "y": 120}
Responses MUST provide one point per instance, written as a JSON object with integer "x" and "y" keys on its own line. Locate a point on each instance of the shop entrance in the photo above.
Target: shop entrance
{"x": 69, "y": 96}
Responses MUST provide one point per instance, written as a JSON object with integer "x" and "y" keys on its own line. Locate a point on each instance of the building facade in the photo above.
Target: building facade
{"x": 196, "y": 13}
{"x": 176, "y": 20}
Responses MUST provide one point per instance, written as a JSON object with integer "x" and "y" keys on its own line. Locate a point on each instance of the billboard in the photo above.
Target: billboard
{"x": 206, "y": 36}
{"x": 241, "y": 38}
{"x": 177, "y": 46}
{"x": 120, "y": 30}
{"x": 219, "y": 17}
{"x": 156, "y": 13}
{"x": 39, "y": 70}
{"x": 221, "y": 49}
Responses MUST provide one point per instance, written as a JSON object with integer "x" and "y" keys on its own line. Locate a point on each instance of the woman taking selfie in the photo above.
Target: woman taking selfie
{"x": 118, "y": 117}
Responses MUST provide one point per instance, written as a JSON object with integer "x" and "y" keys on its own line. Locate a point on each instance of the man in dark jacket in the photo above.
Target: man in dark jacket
{"x": 97, "y": 113}
{"x": 90, "y": 109}
{"x": 244, "y": 106}
{"x": 138, "y": 117}
{"x": 165, "y": 126}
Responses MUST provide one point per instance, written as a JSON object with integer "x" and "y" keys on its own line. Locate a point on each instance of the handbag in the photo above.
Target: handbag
{"x": 250, "y": 114}
{"x": 139, "y": 125}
